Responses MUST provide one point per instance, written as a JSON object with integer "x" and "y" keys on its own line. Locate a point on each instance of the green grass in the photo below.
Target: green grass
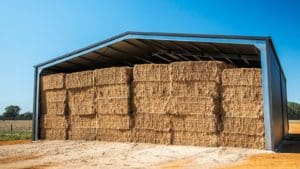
{"x": 15, "y": 135}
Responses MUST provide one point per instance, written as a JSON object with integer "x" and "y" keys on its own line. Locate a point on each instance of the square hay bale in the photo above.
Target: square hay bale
{"x": 195, "y": 89}
{"x": 193, "y": 105}
{"x": 151, "y": 89}
{"x": 151, "y": 136}
{"x": 113, "y": 106}
{"x": 156, "y": 122}
{"x": 237, "y": 109}
{"x": 54, "y": 81}
{"x": 53, "y": 122}
{"x": 150, "y": 105}
{"x": 249, "y": 126}
{"x": 84, "y": 121}
{"x": 54, "y": 108}
{"x": 113, "y": 91}
{"x": 151, "y": 73}
{"x": 114, "y": 135}
{"x": 81, "y": 101}
{"x": 243, "y": 94}
{"x": 241, "y": 140}
{"x": 195, "y": 123}
{"x": 113, "y": 75}
{"x": 79, "y": 79}
{"x": 114, "y": 122}
{"x": 54, "y": 134}
{"x": 242, "y": 77}
{"x": 195, "y": 138}
{"x": 197, "y": 71}
{"x": 83, "y": 134}
{"x": 54, "y": 96}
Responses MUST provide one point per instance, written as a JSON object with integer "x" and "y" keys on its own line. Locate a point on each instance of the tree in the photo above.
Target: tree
{"x": 11, "y": 112}
{"x": 25, "y": 116}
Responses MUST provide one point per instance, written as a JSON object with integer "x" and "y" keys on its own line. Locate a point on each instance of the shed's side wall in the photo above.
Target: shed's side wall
{"x": 278, "y": 99}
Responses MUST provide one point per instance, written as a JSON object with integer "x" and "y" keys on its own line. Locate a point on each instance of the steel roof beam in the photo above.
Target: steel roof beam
{"x": 200, "y": 50}
{"x": 161, "y": 57}
{"x": 185, "y": 50}
{"x": 110, "y": 58}
{"x": 129, "y": 54}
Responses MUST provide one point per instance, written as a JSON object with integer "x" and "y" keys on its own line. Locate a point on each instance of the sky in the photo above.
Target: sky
{"x": 32, "y": 32}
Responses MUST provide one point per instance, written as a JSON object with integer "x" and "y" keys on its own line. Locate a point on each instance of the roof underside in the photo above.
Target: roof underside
{"x": 128, "y": 52}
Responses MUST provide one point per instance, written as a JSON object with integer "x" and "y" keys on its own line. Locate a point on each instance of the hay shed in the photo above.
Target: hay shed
{"x": 133, "y": 48}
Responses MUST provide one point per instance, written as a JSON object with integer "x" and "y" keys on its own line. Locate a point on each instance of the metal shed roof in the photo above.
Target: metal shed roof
{"x": 131, "y": 48}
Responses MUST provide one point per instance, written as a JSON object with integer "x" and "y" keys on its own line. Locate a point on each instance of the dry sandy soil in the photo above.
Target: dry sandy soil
{"x": 106, "y": 155}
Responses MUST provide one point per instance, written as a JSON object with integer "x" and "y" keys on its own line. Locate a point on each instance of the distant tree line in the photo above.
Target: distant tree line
{"x": 12, "y": 112}
{"x": 293, "y": 111}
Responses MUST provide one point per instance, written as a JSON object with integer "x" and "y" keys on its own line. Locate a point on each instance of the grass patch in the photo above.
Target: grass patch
{"x": 15, "y": 135}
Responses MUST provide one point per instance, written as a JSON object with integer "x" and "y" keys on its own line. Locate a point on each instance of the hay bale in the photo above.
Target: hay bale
{"x": 113, "y": 106}
{"x": 156, "y": 122}
{"x": 150, "y": 105}
{"x": 114, "y": 122}
{"x": 54, "y": 96}
{"x": 84, "y": 121}
{"x": 243, "y": 94}
{"x": 195, "y": 138}
{"x": 79, "y": 79}
{"x": 195, "y": 123}
{"x": 197, "y": 71}
{"x": 151, "y": 73}
{"x": 151, "y": 89}
{"x": 151, "y": 136}
{"x": 83, "y": 134}
{"x": 193, "y": 105}
{"x": 114, "y": 135}
{"x": 113, "y": 91}
{"x": 242, "y": 77}
{"x": 53, "y": 108}
{"x": 54, "y": 81}
{"x": 237, "y": 109}
{"x": 53, "y": 122}
{"x": 249, "y": 126}
{"x": 54, "y": 134}
{"x": 113, "y": 75}
{"x": 195, "y": 89}
{"x": 241, "y": 140}
{"x": 81, "y": 101}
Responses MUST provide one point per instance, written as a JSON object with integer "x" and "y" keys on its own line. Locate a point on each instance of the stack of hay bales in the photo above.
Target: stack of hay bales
{"x": 82, "y": 117}
{"x": 53, "y": 123}
{"x": 242, "y": 104}
{"x": 151, "y": 96}
{"x": 195, "y": 102}
{"x": 113, "y": 103}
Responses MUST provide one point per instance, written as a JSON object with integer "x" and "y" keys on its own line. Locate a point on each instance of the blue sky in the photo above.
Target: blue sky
{"x": 35, "y": 31}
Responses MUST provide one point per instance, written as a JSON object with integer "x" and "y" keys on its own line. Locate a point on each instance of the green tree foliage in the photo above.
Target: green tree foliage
{"x": 11, "y": 112}
{"x": 293, "y": 111}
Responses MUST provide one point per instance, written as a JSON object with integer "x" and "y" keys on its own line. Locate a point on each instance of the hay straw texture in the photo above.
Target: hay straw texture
{"x": 195, "y": 123}
{"x": 83, "y": 134}
{"x": 79, "y": 79}
{"x": 114, "y": 135}
{"x": 244, "y": 94}
{"x": 195, "y": 89}
{"x": 54, "y": 134}
{"x": 113, "y": 75}
{"x": 114, "y": 122}
{"x": 197, "y": 71}
{"x": 84, "y": 121}
{"x": 113, "y": 91}
{"x": 151, "y": 73}
{"x": 150, "y": 105}
{"x": 250, "y": 126}
{"x": 81, "y": 101}
{"x": 194, "y": 138}
{"x": 151, "y": 89}
{"x": 53, "y": 122}
{"x": 54, "y": 81}
{"x": 150, "y": 136}
{"x": 242, "y": 77}
{"x": 155, "y": 122}
{"x": 250, "y": 110}
{"x": 241, "y": 140}
{"x": 193, "y": 105}
{"x": 113, "y": 106}
{"x": 53, "y": 102}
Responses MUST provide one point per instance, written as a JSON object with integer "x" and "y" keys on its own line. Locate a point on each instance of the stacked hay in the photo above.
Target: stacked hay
{"x": 53, "y": 123}
{"x": 151, "y": 96}
{"x": 113, "y": 103}
{"x": 82, "y": 117}
{"x": 242, "y": 104}
{"x": 194, "y": 102}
